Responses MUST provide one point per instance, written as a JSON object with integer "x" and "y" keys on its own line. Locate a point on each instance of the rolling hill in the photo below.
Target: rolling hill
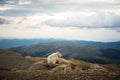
{"x": 74, "y": 50}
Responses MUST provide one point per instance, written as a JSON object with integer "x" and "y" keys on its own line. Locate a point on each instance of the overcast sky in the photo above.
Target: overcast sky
{"x": 93, "y": 20}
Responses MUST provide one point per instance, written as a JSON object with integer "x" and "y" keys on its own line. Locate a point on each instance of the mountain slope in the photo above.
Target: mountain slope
{"x": 72, "y": 50}
{"x": 12, "y": 60}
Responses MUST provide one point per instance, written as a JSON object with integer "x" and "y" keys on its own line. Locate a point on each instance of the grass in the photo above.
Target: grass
{"x": 36, "y": 59}
{"x": 79, "y": 64}
{"x": 13, "y": 60}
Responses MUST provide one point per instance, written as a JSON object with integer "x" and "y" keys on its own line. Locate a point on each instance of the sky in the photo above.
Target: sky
{"x": 91, "y": 20}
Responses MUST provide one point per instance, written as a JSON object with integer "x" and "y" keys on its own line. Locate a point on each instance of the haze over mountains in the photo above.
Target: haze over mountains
{"x": 9, "y": 43}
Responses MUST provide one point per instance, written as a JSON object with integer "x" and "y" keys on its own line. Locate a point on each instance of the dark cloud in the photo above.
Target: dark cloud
{"x": 3, "y": 21}
{"x": 8, "y": 2}
{"x": 26, "y": 7}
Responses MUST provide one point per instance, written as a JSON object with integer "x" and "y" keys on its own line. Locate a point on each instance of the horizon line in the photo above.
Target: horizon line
{"x": 64, "y": 39}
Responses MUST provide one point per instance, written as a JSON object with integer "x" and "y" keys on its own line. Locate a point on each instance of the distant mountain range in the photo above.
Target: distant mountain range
{"x": 75, "y": 49}
{"x": 10, "y": 43}
{"x": 102, "y": 44}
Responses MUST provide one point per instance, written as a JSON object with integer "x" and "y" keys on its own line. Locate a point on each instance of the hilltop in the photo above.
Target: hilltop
{"x": 13, "y": 66}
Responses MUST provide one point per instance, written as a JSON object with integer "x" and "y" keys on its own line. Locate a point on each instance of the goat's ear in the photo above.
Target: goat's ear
{"x": 59, "y": 50}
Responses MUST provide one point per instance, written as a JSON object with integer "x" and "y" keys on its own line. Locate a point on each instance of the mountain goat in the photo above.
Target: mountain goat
{"x": 54, "y": 57}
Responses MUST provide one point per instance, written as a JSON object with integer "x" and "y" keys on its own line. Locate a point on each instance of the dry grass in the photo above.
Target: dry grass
{"x": 36, "y": 59}
{"x": 47, "y": 75}
{"x": 79, "y": 64}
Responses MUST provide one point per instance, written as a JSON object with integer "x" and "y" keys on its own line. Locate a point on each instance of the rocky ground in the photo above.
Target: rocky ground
{"x": 60, "y": 72}
{"x": 47, "y": 75}
{"x": 16, "y": 67}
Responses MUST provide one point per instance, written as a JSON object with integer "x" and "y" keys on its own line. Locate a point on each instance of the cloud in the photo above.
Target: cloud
{"x": 24, "y": 2}
{"x": 3, "y": 21}
{"x": 72, "y": 2}
{"x": 57, "y": 32}
{"x": 85, "y": 20}
{"x": 5, "y": 8}
{"x": 15, "y": 2}
{"x": 26, "y": 7}
{"x": 59, "y": 2}
{"x": 79, "y": 13}
{"x": 11, "y": 20}
{"x": 83, "y": 14}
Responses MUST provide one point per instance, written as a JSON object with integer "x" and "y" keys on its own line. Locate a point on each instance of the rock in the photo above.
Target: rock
{"x": 38, "y": 66}
{"x": 97, "y": 67}
{"x": 63, "y": 61}
{"x": 63, "y": 68}
{"x": 14, "y": 69}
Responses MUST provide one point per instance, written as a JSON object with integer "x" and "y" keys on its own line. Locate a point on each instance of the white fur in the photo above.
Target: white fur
{"x": 54, "y": 57}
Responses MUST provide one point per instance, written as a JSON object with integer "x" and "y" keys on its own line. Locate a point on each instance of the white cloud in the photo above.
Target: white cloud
{"x": 83, "y": 19}
{"x": 24, "y": 2}
{"x": 101, "y": 19}
{"x": 116, "y": 11}
{"x": 5, "y": 8}
{"x": 31, "y": 21}
{"x": 100, "y": 34}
